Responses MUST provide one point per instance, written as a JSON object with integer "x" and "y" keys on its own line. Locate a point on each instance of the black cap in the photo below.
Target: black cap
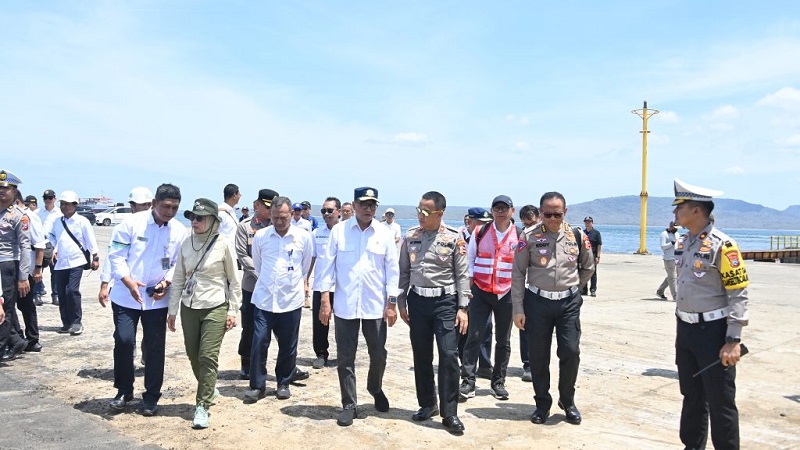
{"x": 503, "y": 199}
{"x": 306, "y": 204}
{"x": 588, "y": 219}
{"x": 31, "y": 199}
{"x": 265, "y": 196}
{"x": 202, "y": 207}
{"x": 49, "y": 193}
{"x": 365, "y": 193}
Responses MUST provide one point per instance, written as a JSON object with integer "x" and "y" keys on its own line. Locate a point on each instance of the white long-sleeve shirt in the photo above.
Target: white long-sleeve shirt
{"x": 146, "y": 252}
{"x": 228, "y": 222}
{"x": 364, "y": 268}
{"x": 321, "y": 236}
{"x": 282, "y": 264}
{"x": 668, "y": 245}
{"x": 68, "y": 253}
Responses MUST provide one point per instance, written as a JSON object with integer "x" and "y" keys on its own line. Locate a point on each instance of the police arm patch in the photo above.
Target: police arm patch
{"x": 734, "y": 274}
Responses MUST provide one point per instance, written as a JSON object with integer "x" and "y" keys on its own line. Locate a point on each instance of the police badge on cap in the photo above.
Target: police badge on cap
{"x": 366, "y": 193}
{"x": 685, "y": 192}
{"x": 9, "y": 179}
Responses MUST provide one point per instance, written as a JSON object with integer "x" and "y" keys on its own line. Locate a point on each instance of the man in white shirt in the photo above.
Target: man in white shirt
{"x": 394, "y": 226}
{"x": 330, "y": 214}
{"x": 144, "y": 250}
{"x": 72, "y": 235}
{"x": 364, "y": 268}
{"x": 668, "y": 248}
{"x": 297, "y": 218}
{"x": 228, "y": 221}
{"x": 48, "y": 214}
{"x": 282, "y": 259}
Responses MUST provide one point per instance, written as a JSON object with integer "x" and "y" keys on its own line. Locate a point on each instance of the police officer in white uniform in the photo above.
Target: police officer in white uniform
{"x": 711, "y": 309}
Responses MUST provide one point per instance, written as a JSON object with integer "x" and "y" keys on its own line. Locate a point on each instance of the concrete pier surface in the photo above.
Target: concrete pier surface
{"x": 627, "y": 387}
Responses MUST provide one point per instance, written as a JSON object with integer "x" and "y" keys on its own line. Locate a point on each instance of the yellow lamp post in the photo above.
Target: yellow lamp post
{"x": 645, "y": 114}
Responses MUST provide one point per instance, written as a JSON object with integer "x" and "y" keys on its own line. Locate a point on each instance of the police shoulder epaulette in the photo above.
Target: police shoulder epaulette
{"x": 451, "y": 229}
{"x": 412, "y": 229}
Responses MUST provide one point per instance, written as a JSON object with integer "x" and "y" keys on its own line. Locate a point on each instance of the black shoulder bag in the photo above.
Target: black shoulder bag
{"x": 85, "y": 252}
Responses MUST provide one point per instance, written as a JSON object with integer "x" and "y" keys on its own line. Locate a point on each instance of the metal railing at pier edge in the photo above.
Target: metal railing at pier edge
{"x": 784, "y": 242}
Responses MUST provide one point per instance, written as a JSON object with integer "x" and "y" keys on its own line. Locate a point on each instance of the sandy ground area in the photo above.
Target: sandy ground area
{"x": 627, "y": 388}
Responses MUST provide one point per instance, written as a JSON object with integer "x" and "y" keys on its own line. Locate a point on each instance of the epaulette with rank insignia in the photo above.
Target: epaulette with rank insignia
{"x": 412, "y": 230}
{"x": 449, "y": 228}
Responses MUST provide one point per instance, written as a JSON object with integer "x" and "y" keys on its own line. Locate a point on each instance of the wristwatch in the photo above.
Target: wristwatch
{"x": 733, "y": 340}
{"x": 464, "y": 308}
{"x": 392, "y": 300}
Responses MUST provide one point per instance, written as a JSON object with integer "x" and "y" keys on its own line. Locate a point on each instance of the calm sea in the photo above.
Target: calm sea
{"x": 625, "y": 238}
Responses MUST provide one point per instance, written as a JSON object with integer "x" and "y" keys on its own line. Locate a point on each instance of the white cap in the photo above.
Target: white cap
{"x": 389, "y": 210}
{"x": 688, "y": 192}
{"x": 140, "y": 195}
{"x": 69, "y": 197}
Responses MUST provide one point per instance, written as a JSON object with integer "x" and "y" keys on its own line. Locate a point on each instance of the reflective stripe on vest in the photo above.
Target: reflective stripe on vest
{"x": 493, "y": 262}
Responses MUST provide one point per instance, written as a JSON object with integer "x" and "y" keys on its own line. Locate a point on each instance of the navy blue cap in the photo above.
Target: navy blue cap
{"x": 297, "y": 207}
{"x": 588, "y": 219}
{"x": 479, "y": 214}
{"x": 503, "y": 199}
{"x": 365, "y": 193}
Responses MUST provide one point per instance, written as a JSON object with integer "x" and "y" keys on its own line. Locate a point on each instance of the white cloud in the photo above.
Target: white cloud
{"x": 787, "y": 98}
{"x": 517, "y": 120}
{"x": 792, "y": 141}
{"x": 726, "y": 112}
{"x": 734, "y": 170}
{"x": 406, "y": 138}
{"x": 668, "y": 117}
{"x": 721, "y": 127}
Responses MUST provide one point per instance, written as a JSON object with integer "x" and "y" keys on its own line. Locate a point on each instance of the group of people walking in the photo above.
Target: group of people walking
{"x": 443, "y": 283}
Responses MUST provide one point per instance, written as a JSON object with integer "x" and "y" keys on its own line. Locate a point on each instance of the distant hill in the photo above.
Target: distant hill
{"x": 625, "y": 211}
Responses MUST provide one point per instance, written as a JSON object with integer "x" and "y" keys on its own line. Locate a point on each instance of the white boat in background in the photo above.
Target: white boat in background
{"x": 97, "y": 204}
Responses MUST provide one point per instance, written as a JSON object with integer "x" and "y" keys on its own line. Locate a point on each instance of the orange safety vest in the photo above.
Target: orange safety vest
{"x": 494, "y": 261}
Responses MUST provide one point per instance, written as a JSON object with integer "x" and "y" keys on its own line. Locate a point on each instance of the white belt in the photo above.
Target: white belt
{"x": 553, "y": 295}
{"x": 435, "y": 291}
{"x": 706, "y": 316}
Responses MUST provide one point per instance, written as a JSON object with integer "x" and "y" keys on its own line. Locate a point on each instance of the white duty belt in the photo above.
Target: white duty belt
{"x": 434, "y": 291}
{"x": 554, "y": 295}
{"x": 716, "y": 314}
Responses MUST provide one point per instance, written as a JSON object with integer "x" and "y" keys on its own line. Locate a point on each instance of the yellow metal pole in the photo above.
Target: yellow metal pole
{"x": 645, "y": 114}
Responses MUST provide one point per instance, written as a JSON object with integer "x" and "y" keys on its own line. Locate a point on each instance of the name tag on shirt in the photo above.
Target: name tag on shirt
{"x": 141, "y": 238}
{"x": 164, "y": 263}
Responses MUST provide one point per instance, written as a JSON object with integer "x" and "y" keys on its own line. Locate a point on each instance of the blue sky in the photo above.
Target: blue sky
{"x": 472, "y": 99}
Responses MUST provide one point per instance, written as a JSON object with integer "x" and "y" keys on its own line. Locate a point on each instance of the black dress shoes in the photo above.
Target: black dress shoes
{"x": 12, "y": 353}
{"x": 539, "y": 417}
{"x": 453, "y": 425}
{"x": 572, "y": 413}
{"x": 425, "y": 413}
{"x": 119, "y": 402}
{"x": 299, "y": 375}
{"x": 33, "y": 346}
{"x": 381, "y": 402}
{"x": 346, "y": 417}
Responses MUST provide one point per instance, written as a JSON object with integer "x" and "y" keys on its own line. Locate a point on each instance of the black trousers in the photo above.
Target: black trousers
{"x": 246, "y": 340}
{"x": 9, "y": 271}
{"x": 480, "y": 307}
{"x": 435, "y": 317}
{"x": 319, "y": 331}
{"x": 154, "y": 329}
{"x": 542, "y": 315}
{"x": 485, "y": 355}
{"x": 68, "y": 286}
{"x": 374, "y": 331}
{"x": 713, "y": 393}
{"x": 286, "y": 326}
{"x": 27, "y": 308}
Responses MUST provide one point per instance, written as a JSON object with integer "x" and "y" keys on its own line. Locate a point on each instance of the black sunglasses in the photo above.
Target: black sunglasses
{"x": 557, "y": 215}
{"x": 327, "y": 210}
